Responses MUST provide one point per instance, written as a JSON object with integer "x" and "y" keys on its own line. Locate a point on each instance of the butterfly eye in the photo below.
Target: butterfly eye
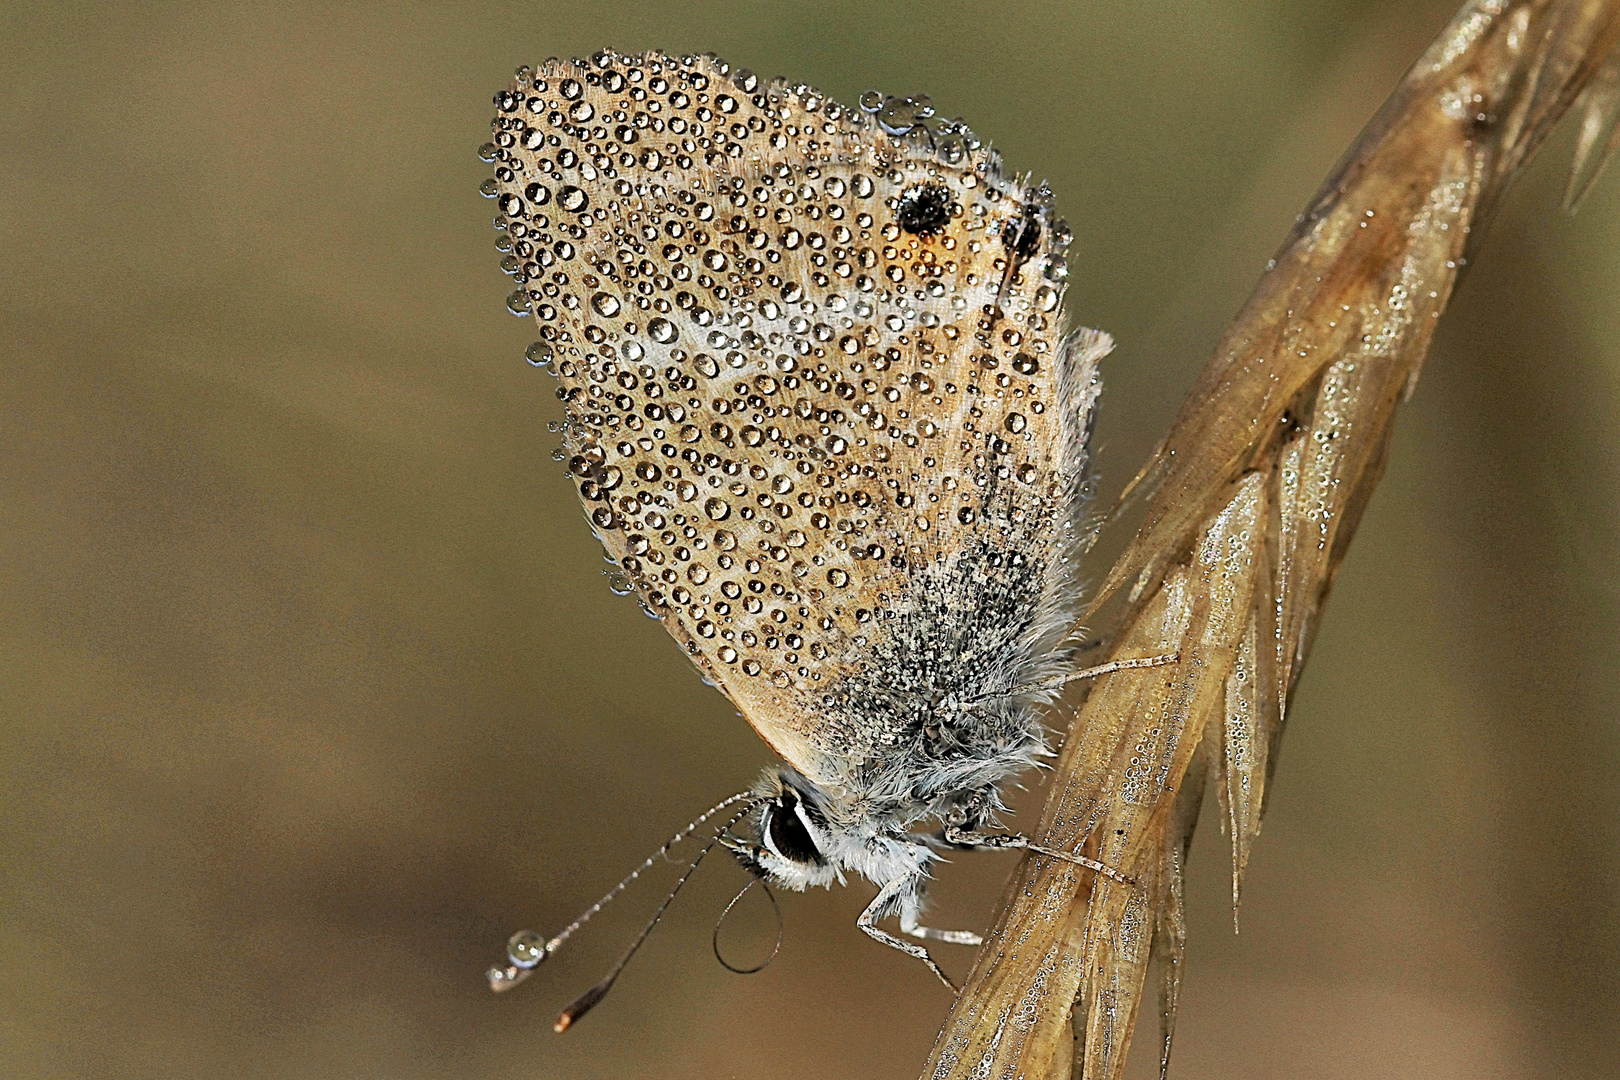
{"x": 786, "y": 835}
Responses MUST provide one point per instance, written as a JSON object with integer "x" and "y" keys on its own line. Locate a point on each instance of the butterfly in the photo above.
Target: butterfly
{"x": 826, "y": 417}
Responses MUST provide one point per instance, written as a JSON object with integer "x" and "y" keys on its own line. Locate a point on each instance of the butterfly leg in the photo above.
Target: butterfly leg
{"x": 1058, "y": 682}
{"x": 1104, "y": 669}
{"x": 909, "y": 927}
{"x": 1122, "y": 665}
{"x": 958, "y": 837}
{"x": 868, "y": 923}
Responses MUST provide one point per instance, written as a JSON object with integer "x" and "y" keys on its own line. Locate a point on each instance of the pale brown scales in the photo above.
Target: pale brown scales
{"x": 784, "y": 406}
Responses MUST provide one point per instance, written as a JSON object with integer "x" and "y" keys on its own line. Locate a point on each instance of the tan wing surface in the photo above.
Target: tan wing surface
{"x": 793, "y": 400}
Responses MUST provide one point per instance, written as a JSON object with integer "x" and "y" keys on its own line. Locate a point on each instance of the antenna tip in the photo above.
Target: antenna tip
{"x": 525, "y": 951}
{"x": 584, "y": 1004}
{"x": 504, "y": 978}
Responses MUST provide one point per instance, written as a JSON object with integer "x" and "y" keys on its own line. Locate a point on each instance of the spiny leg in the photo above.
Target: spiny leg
{"x": 1017, "y": 841}
{"x": 909, "y": 927}
{"x": 1120, "y": 665}
{"x": 868, "y": 923}
{"x": 1058, "y": 682}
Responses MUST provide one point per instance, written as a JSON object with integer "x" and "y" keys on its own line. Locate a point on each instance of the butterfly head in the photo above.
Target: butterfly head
{"x": 801, "y": 837}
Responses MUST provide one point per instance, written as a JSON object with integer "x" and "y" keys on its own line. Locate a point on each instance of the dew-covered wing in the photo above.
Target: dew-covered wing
{"x": 820, "y": 406}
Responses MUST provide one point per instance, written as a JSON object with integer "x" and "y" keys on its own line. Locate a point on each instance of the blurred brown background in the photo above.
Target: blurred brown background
{"x": 311, "y": 689}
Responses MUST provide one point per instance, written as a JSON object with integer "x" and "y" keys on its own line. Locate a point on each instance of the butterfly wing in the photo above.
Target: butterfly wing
{"x": 821, "y": 407}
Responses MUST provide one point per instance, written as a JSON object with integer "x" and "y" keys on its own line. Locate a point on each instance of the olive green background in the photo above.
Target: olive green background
{"x": 312, "y": 690}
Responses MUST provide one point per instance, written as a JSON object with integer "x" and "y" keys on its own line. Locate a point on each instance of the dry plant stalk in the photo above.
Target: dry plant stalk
{"x": 1259, "y": 488}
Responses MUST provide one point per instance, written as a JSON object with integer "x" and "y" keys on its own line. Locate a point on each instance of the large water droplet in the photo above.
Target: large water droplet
{"x": 572, "y": 199}
{"x": 526, "y": 949}
{"x": 896, "y": 116}
{"x": 605, "y": 304}
{"x": 662, "y": 331}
